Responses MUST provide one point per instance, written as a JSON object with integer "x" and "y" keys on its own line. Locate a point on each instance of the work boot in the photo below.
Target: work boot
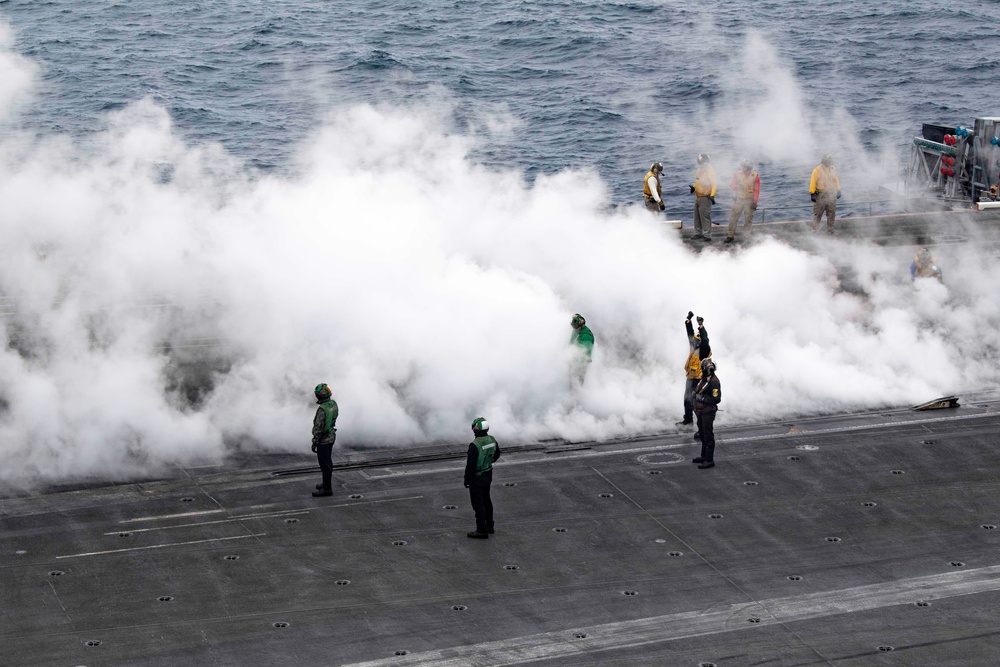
{"x": 707, "y": 464}
{"x": 685, "y": 422}
{"x": 319, "y": 487}
{"x": 697, "y": 436}
{"x": 477, "y": 535}
{"x": 729, "y": 239}
{"x": 322, "y": 493}
{"x": 698, "y": 460}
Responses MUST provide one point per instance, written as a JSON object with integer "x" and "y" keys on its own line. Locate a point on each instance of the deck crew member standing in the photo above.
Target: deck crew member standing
{"x": 704, "y": 198}
{"x": 824, "y": 191}
{"x": 483, "y": 453}
{"x": 707, "y": 396}
{"x": 923, "y": 266}
{"x": 581, "y": 348}
{"x": 746, "y": 191}
{"x": 652, "y": 192}
{"x": 698, "y": 350}
{"x": 324, "y": 435}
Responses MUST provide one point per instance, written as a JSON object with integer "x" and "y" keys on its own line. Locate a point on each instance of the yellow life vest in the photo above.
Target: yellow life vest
{"x": 704, "y": 181}
{"x": 824, "y": 179}
{"x": 693, "y": 366}
{"x": 924, "y": 268}
{"x": 745, "y": 184}
{"x": 645, "y": 186}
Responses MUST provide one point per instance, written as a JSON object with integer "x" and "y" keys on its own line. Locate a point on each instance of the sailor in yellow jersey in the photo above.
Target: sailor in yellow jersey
{"x": 824, "y": 190}
{"x": 704, "y": 197}
{"x": 652, "y": 192}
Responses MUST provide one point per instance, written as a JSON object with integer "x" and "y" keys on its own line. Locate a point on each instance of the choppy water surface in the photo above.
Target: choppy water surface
{"x": 585, "y": 84}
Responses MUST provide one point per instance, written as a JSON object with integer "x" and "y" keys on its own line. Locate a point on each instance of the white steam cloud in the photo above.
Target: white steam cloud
{"x": 17, "y": 82}
{"x": 160, "y": 306}
{"x": 763, "y": 114}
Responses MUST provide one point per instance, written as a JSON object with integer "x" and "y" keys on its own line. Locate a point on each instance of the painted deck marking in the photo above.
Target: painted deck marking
{"x": 241, "y": 517}
{"x": 170, "y": 516}
{"x": 720, "y": 435}
{"x": 627, "y": 634}
{"x": 160, "y": 546}
{"x": 210, "y": 523}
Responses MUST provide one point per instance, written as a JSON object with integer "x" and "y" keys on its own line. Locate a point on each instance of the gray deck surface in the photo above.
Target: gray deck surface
{"x": 636, "y": 520}
{"x": 936, "y": 230}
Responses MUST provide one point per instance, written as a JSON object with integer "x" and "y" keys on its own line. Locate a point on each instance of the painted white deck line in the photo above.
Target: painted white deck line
{"x": 590, "y": 450}
{"x": 160, "y": 546}
{"x": 627, "y": 634}
{"x": 244, "y": 517}
{"x": 170, "y": 516}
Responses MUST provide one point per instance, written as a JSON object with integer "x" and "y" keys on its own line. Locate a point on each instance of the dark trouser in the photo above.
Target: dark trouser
{"x": 653, "y": 205}
{"x": 689, "y": 398}
{"x": 324, "y": 453}
{"x": 479, "y": 493}
{"x": 826, "y": 202}
{"x": 706, "y": 429}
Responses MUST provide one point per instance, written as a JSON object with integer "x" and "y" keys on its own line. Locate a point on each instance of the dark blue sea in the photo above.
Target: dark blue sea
{"x": 596, "y": 85}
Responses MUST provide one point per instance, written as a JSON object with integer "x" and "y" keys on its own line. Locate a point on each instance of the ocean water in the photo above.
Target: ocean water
{"x": 210, "y": 207}
{"x": 581, "y": 84}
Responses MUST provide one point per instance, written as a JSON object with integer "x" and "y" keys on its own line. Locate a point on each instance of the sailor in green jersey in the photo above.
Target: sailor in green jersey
{"x": 324, "y": 435}
{"x": 483, "y": 451}
{"x": 582, "y": 342}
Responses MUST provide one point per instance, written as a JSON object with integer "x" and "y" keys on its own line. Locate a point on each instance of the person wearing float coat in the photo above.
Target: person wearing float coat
{"x": 699, "y": 349}
{"x": 483, "y": 453}
{"x": 745, "y": 185}
{"x": 824, "y": 191}
{"x": 581, "y": 350}
{"x": 652, "y": 192}
{"x": 324, "y": 436}
{"x": 707, "y": 396}
{"x": 704, "y": 198}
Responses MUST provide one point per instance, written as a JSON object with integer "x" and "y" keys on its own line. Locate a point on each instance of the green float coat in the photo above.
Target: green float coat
{"x": 485, "y": 448}
{"x": 583, "y": 338}
{"x": 330, "y": 411}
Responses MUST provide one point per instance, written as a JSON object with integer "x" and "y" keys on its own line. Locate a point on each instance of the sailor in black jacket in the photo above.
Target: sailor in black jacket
{"x": 707, "y": 396}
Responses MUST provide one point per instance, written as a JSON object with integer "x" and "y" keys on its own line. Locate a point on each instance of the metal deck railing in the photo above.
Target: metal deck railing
{"x": 798, "y": 212}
